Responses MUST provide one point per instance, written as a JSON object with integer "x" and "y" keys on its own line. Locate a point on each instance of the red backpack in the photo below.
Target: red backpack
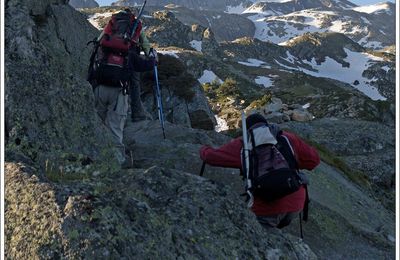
{"x": 109, "y": 60}
{"x": 117, "y": 34}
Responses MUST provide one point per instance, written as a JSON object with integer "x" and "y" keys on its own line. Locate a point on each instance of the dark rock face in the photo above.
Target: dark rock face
{"x": 83, "y": 3}
{"x": 49, "y": 104}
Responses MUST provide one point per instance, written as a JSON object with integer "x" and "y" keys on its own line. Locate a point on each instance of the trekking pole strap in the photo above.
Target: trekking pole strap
{"x": 301, "y": 227}
{"x": 202, "y": 168}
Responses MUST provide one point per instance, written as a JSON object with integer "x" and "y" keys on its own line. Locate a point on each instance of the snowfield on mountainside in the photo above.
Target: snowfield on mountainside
{"x": 278, "y": 27}
{"x": 354, "y": 73}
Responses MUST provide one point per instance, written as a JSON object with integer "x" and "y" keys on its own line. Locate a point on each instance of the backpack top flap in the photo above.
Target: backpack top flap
{"x": 262, "y": 135}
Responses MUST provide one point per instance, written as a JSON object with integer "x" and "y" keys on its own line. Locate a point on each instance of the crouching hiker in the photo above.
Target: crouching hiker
{"x": 113, "y": 64}
{"x": 270, "y": 160}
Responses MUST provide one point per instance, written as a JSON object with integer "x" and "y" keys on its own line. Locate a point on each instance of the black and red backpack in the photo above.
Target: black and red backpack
{"x": 109, "y": 60}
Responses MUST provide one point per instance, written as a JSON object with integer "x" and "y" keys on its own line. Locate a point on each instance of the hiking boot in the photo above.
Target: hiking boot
{"x": 128, "y": 162}
{"x": 138, "y": 118}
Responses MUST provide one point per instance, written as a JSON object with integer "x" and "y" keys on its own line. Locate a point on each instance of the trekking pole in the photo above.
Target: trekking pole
{"x": 246, "y": 161}
{"x": 202, "y": 168}
{"x": 135, "y": 24}
{"x": 159, "y": 100}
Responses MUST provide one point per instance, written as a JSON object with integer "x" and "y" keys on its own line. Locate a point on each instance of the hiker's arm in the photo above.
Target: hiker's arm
{"x": 140, "y": 63}
{"x": 144, "y": 43}
{"x": 307, "y": 157}
{"x": 227, "y": 155}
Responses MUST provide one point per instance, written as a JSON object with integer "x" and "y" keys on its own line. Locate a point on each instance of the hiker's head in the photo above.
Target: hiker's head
{"x": 253, "y": 119}
{"x": 127, "y": 10}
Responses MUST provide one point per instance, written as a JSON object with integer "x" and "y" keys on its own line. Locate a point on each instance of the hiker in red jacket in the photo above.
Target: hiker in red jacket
{"x": 278, "y": 213}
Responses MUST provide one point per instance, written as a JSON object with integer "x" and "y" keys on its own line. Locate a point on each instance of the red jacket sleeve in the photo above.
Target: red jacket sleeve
{"x": 228, "y": 155}
{"x": 307, "y": 157}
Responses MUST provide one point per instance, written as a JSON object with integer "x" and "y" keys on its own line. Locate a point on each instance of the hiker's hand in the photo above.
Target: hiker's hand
{"x": 203, "y": 151}
{"x": 153, "y": 54}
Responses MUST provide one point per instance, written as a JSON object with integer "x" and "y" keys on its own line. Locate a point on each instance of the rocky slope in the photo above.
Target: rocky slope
{"x": 345, "y": 217}
{"x": 65, "y": 198}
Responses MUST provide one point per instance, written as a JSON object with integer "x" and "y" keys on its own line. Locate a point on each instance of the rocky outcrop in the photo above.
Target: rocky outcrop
{"x": 50, "y": 113}
{"x": 319, "y": 46}
{"x": 277, "y": 112}
{"x": 166, "y": 30}
{"x": 83, "y": 3}
{"x": 141, "y": 213}
{"x": 184, "y": 102}
{"x": 227, "y": 27}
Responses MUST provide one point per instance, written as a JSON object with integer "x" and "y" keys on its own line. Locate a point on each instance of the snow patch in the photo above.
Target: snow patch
{"x": 93, "y": 19}
{"x": 358, "y": 61}
{"x": 170, "y": 53}
{"x": 265, "y": 81}
{"x": 235, "y": 9}
{"x": 254, "y": 63}
{"x": 208, "y": 77}
{"x": 365, "y": 20}
{"x": 222, "y": 125}
{"x": 369, "y": 9}
{"x": 386, "y": 68}
{"x": 197, "y": 45}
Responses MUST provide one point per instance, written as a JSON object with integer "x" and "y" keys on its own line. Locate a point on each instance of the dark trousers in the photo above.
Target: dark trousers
{"x": 136, "y": 103}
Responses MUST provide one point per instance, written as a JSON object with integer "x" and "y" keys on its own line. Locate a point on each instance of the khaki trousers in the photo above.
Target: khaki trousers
{"x": 112, "y": 107}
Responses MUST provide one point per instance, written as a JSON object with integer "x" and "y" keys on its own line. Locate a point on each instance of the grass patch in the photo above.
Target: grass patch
{"x": 59, "y": 176}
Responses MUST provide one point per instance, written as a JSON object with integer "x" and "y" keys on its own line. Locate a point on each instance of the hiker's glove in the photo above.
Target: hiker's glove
{"x": 153, "y": 54}
{"x": 203, "y": 151}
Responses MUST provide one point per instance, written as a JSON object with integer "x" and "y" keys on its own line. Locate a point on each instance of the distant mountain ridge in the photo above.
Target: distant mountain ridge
{"x": 281, "y": 22}
{"x": 278, "y": 21}
{"x": 216, "y": 5}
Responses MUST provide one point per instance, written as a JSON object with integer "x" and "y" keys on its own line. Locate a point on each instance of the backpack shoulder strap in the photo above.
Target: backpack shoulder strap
{"x": 286, "y": 149}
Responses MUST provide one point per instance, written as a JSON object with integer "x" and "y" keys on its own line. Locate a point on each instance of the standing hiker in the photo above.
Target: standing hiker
{"x": 271, "y": 210}
{"x": 113, "y": 64}
{"x": 139, "y": 42}
{"x": 138, "y": 112}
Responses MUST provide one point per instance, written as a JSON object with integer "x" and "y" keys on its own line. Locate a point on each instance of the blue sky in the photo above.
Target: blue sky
{"x": 357, "y": 2}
